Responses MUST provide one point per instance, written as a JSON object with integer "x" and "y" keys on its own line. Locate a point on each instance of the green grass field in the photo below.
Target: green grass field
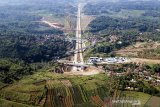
{"x": 153, "y": 102}
{"x": 142, "y": 97}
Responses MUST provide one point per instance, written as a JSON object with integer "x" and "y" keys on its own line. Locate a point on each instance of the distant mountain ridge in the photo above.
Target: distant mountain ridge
{"x": 19, "y": 2}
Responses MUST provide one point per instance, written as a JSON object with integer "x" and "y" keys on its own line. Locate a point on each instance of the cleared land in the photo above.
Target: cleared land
{"x": 141, "y": 60}
{"x": 133, "y": 51}
{"x": 91, "y": 70}
{"x": 50, "y": 17}
{"x": 85, "y": 20}
{"x": 138, "y": 47}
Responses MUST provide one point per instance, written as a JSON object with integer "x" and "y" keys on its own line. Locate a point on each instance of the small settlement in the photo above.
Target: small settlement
{"x": 110, "y": 60}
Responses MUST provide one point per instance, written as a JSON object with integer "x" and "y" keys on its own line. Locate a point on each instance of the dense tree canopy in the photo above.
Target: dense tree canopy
{"x": 11, "y": 70}
{"x": 104, "y": 7}
{"x": 103, "y": 22}
{"x": 32, "y": 48}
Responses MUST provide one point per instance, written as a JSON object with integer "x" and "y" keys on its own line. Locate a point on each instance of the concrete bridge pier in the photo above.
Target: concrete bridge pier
{"x": 78, "y": 68}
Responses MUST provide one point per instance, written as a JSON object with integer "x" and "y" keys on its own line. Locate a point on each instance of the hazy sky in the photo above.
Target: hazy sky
{"x": 31, "y": 1}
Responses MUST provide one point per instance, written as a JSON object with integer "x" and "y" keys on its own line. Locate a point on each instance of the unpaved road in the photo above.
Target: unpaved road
{"x": 54, "y": 25}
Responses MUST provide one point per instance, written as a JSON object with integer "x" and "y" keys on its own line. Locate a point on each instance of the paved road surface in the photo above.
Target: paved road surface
{"x": 78, "y": 57}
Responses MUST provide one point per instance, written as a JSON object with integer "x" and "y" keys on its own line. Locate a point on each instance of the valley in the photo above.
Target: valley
{"x": 77, "y": 53}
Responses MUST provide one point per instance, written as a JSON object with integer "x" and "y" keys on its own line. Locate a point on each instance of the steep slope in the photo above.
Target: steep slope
{"x": 54, "y": 90}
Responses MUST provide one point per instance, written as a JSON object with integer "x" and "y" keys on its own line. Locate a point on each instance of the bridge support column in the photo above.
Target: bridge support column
{"x": 74, "y": 69}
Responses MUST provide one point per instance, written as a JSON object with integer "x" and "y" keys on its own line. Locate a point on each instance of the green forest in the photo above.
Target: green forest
{"x": 31, "y": 76}
{"x": 129, "y": 21}
{"x": 25, "y": 41}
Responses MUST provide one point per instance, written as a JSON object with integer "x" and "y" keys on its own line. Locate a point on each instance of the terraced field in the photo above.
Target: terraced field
{"x": 46, "y": 89}
{"x": 53, "y": 90}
